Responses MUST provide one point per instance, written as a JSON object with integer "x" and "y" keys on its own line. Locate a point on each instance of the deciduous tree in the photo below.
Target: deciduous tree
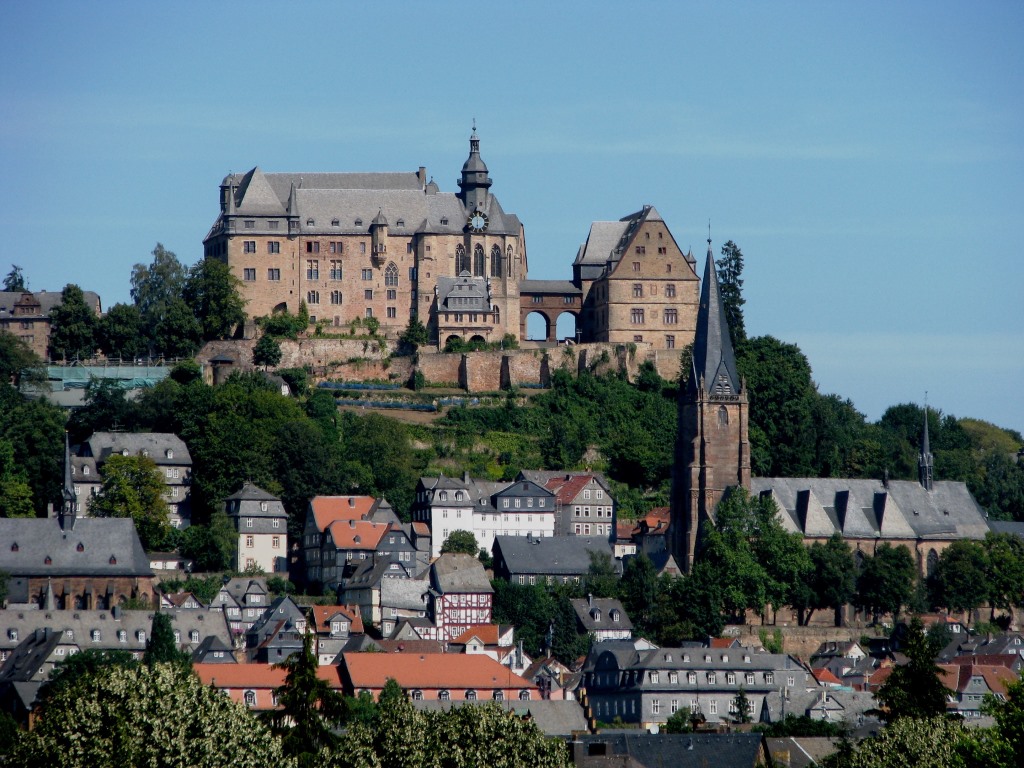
{"x": 72, "y": 326}
{"x": 460, "y": 541}
{"x": 886, "y": 581}
{"x": 212, "y": 292}
{"x": 120, "y": 332}
{"x": 914, "y": 689}
{"x": 132, "y": 487}
{"x": 266, "y": 352}
{"x": 960, "y": 581}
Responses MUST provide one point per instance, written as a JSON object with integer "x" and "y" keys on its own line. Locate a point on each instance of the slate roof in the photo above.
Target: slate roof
{"x": 713, "y": 358}
{"x": 868, "y": 508}
{"x": 91, "y": 547}
{"x": 556, "y": 555}
{"x": 155, "y": 444}
{"x": 556, "y": 287}
{"x": 464, "y": 293}
{"x": 457, "y": 572}
{"x": 80, "y": 624}
{"x": 680, "y": 750}
{"x": 553, "y": 718}
{"x": 596, "y": 614}
{"x": 403, "y": 594}
{"x": 47, "y": 300}
{"x": 603, "y": 238}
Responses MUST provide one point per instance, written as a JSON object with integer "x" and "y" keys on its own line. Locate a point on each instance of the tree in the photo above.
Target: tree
{"x": 267, "y": 352}
{"x": 960, "y": 581}
{"x": 155, "y": 286}
{"x": 212, "y": 292}
{"x": 18, "y": 361}
{"x": 886, "y": 581}
{"x": 161, "y": 648}
{"x": 72, "y": 326}
{"x": 36, "y": 427}
{"x": 934, "y": 742}
{"x": 1005, "y": 577}
{"x": 415, "y": 334}
{"x": 730, "y": 285}
{"x": 785, "y": 559}
{"x": 120, "y": 332}
{"x": 601, "y": 580}
{"x": 741, "y": 705}
{"x": 914, "y": 689}
{"x": 308, "y": 709}
{"x": 176, "y": 331}
{"x": 832, "y": 581}
{"x": 460, "y": 541}
{"x": 727, "y": 549}
{"x": 15, "y": 492}
{"x": 639, "y": 590}
{"x": 1008, "y": 746}
{"x": 679, "y": 722}
{"x": 782, "y": 398}
{"x": 132, "y": 487}
{"x": 141, "y": 715}
{"x": 14, "y": 282}
{"x": 90, "y": 662}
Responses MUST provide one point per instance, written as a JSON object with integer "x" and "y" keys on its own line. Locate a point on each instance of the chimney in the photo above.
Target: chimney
{"x": 421, "y": 174}
{"x": 351, "y": 501}
{"x": 590, "y": 600}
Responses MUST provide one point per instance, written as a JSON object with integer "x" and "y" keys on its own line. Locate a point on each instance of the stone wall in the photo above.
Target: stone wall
{"x": 439, "y": 367}
{"x": 797, "y": 641}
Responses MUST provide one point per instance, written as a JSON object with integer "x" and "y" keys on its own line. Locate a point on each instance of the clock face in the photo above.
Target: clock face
{"x": 477, "y": 221}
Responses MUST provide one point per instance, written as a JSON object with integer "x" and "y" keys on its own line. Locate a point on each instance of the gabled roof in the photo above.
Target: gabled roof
{"x": 457, "y": 572}
{"x": 434, "y": 670}
{"x": 556, "y": 555}
{"x": 488, "y": 634}
{"x": 154, "y": 445}
{"x": 357, "y": 534}
{"x": 957, "y": 677}
{"x": 93, "y": 547}
{"x": 330, "y": 509}
{"x": 598, "y": 613}
{"x": 568, "y": 487}
{"x": 324, "y": 614}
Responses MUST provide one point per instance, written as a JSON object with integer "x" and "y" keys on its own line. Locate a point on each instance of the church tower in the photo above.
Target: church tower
{"x": 712, "y": 448}
{"x": 925, "y": 471}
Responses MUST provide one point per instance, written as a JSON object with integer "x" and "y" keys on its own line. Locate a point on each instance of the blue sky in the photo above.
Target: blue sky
{"x": 867, "y": 157}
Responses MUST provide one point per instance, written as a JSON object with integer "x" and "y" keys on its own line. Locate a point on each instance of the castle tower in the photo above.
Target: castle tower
{"x": 475, "y": 183}
{"x": 712, "y": 449}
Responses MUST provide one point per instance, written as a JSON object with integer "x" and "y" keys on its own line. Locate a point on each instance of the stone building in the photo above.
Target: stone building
{"x": 361, "y": 245}
{"x": 26, "y": 315}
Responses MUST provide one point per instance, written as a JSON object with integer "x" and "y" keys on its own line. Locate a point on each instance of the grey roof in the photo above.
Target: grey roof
{"x": 687, "y": 659}
{"x": 595, "y": 614}
{"x": 604, "y": 238}
{"x": 457, "y": 572}
{"x": 406, "y": 594}
{"x": 868, "y": 508}
{"x": 47, "y": 301}
{"x": 542, "y": 476}
{"x": 205, "y": 652}
{"x": 249, "y": 502}
{"x": 557, "y": 287}
{"x": 713, "y": 358}
{"x": 464, "y": 293}
{"x": 359, "y": 197}
{"x": 556, "y": 555}
{"x": 209, "y": 623}
{"x": 27, "y": 659}
{"x": 554, "y": 718}
{"x": 681, "y": 750}
{"x": 1007, "y": 526}
{"x": 92, "y": 547}
{"x": 154, "y": 444}
{"x": 81, "y": 625}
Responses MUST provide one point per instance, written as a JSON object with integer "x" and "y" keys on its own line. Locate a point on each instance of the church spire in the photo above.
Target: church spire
{"x": 714, "y": 361}
{"x": 925, "y": 471}
{"x": 475, "y": 181}
{"x": 67, "y": 517}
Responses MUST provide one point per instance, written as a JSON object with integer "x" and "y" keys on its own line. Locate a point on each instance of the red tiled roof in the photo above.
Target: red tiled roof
{"x": 624, "y": 530}
{"x": 411, "y": 646}
{"x": 658, "y": 517}
{"x": 261, "y": 679}
{"x": 567, "y": 488}
{"x": 825, "y": 677}
{"x": 723, "y": 642}
{"x": 330, "y": 509}
{"x": 489, "y": 634}
{"x": 430, "y": 670}
{"x": 421, "y": 529}
{"x": 957, "y": 676}
{"x": 322, "y": 617}
{"x": 357, "y": 534}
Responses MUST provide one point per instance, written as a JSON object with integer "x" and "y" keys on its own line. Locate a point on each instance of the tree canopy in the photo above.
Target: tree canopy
{"x": 72, "y": 326}
{"x": 460, "y": 541}
{"x": 132, "y": 487}
{"x": 14, "y": 281}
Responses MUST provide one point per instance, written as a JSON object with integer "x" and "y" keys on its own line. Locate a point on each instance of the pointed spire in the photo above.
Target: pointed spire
{"x": 293, "y": 205}
{"x": 713, "y": 358}
{"x": 69, "y": 484}
{"x": 925, "y": 469}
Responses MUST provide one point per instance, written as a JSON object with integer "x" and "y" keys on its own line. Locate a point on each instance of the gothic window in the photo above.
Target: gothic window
{"x": 461, "y": 260}
{"x": 391, "y": 274}
{"x": 496, "y": 265}
{"x": 508, "y": 261}
{"x": 933, "y": 562}
{"x": 479, "y": 261}
{"x": 723, "y": 416}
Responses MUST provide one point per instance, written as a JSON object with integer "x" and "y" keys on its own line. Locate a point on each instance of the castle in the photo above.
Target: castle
{"x": 393, "y": 246}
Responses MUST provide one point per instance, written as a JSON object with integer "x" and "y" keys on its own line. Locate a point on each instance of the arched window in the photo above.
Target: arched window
{"x": 933, "y": 562}
{"x": 524, "y": 695}
{"x": 391, "y": 275}
{"x": 461, "y": 259}
{"x": 723, "y": 416}
{"x": 479, "y": 261}
{"x": 497, "y": 314}
{"x": 417, "y": 695}
{"x": 335, "y": 297}
{"x": 499, "y": 696}
{"x": 313, "y": 297}
{"x": 508, "y": 261}
{"x": 250, "y": 698}
{"x": 496, "y": 265}
{"x": 444, "y": 696}
{"x": 470, "y": 695}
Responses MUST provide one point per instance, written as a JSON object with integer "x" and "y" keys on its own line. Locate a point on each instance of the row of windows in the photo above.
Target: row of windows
{"x": 276, "y": 522}
{"x": 636, "y": 316}
{"x": 652, "y": 289}
{"x": 250, "y": 542}
{"x": 583, "y": 529}
{"x": 579, "y": 511}
{"x": 549, "y": 579}
{"x": 478, "y": 267}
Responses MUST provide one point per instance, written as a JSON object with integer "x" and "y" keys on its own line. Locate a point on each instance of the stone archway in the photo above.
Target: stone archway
{"x": 538, "y": 326}
{"x": 566, "y": 326}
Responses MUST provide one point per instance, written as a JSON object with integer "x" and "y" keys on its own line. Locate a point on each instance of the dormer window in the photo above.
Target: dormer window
{"x": 250, "y": 698}
{"x": 400, "y": 223}
{"x": 359, "y": 222}
{"x": 145, "y": 453}
{"x": 95, "y": 635}
{"x": 335, "y": 222}
{"x": 14, "y": 546}
{"x": 85, "y": 471}
{"x": 124, "y": 451}
{"x": 443, "y": 496}
{"x": 48, "y": 560}
{"x": 263, "y": 506}
{"x": 169, "y": 453}
{"x": 113, "y": 560}
{"x": 458, "y": 495}
{"x": 80, "y": 547}
{"x": 310, "y": 222}
{"x": 615, "y": 617}
{"x": 141, "y": 635}
{"x": 193, "y": 636}
{"x": 177, "y": 636}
